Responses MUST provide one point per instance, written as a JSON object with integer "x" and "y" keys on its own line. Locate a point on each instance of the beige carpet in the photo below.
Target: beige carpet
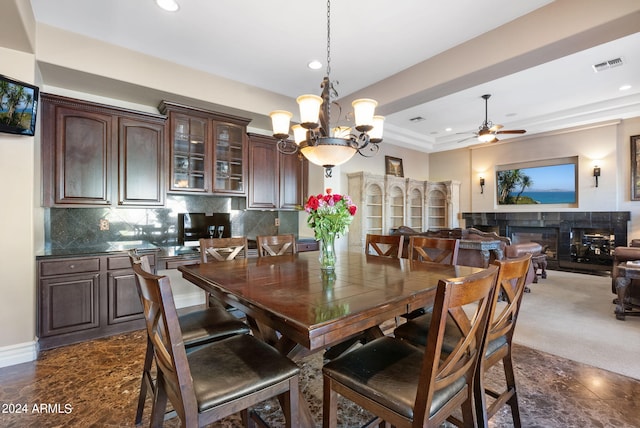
{"x": 572, "y": 316}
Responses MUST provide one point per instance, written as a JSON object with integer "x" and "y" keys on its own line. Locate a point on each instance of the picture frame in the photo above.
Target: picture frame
{"x": 393, "y": 166}
{"x": 635, "y": 167}
{"x": 18, "y": 106}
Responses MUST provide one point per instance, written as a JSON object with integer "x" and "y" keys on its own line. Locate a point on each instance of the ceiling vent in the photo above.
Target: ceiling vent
{"x": 605, "y": 65}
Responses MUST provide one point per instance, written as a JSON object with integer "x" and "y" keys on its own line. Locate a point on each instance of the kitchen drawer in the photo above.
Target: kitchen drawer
{"x": 174, "y": 263}
{"x": 123, "y": 262}
{"x": 308, "y": 246}
{"x": 69, "y": 266}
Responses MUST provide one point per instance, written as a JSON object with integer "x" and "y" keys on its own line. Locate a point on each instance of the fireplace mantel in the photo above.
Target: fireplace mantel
{"x": 564, "y": 221}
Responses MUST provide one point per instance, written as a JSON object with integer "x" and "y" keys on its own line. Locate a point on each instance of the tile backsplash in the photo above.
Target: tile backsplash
{"x": 80, "y": 227}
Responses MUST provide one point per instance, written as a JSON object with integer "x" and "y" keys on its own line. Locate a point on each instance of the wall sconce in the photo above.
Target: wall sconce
{"x": 482, "y": 183}
{"x": 596, "y": 173}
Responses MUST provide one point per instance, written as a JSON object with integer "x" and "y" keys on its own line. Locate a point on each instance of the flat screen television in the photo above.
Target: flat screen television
{"x": 552, "y": 181}
{"x": 18, "y": 106}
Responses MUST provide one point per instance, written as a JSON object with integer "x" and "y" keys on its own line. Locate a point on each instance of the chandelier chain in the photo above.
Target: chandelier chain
{"x": 328, "y": 38}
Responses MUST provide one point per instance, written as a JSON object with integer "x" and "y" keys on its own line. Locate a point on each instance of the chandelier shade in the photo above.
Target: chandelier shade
{"x": 332, "y": 152}
{"x": 316, "y": 138}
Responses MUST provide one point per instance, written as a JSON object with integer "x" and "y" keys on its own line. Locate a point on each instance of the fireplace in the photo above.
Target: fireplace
{"x": 547, "y": 237}
{"x": 593, "y": 246}
{"x": 583, "y": 241}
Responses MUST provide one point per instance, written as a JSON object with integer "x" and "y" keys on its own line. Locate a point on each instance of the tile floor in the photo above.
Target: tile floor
{"x": 96, "y": 384}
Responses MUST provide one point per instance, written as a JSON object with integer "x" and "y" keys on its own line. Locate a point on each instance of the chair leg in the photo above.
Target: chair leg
{"x": 330, "y": 404}
{"x": 468, "y": 416}
{"x": 159, "y": 403}
{"x": 479, "y": 397}
{"x": 147, "y": 381}
{"x": 507, "y": 362}
{"x": 292, "y": 408}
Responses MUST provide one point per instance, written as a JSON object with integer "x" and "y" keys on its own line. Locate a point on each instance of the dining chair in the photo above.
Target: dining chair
{"x": 216, "y": 380}
{"x": 434, "y": 250}
{"x": 510, "y": 287}
{"x": 213, "y": 250}
{"x": 405, "y": 386}
{"x": 198, "y": 327}
{"x": 276, "y": 245}
{"x": 425, "y": 249}
{"x": 222, "y": 249}
{"x": 384, "y": 245}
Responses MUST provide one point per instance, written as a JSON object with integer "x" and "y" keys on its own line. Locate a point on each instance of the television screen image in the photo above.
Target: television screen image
{"x": 552, "y": 184}
{"x": 18, "y": 106}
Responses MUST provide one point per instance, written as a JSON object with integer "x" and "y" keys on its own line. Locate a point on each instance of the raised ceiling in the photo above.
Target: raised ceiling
{"x": 428, "y": 59}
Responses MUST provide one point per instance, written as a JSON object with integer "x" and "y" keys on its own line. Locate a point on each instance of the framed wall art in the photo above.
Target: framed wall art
{"x": 635, "y": 167}
{"x": 18, "y": 106}
{"x": 393, "y": 166}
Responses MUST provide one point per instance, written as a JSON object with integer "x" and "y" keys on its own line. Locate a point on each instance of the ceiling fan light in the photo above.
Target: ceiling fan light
{"x": 309, "y": 110}
{"x": 485, "y": 135}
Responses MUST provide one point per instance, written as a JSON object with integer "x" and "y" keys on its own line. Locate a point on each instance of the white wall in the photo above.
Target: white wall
{"x": 609, "y": 143}
{"x": 18, "y": 195}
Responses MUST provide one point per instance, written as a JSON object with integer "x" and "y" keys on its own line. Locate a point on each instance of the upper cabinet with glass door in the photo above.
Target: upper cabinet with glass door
{"x": 188, "y": 153}
{"x": 207, "y": 151}
{"x": 230, "y": 158}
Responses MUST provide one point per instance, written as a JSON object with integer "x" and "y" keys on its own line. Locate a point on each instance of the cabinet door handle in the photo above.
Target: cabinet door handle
{"x": 72, "y": 266}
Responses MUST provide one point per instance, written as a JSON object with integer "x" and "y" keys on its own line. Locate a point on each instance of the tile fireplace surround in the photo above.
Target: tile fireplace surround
{"x": 562, "y": 223}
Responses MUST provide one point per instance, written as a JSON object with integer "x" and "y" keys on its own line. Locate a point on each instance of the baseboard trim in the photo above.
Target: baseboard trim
{"x": 18, "y": 353}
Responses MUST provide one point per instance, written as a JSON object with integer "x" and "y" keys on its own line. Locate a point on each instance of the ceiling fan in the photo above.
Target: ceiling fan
{"x": 487, "y": 131}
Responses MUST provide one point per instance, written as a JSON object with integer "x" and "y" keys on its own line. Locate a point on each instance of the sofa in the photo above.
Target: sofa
{"x": 469, "y": 257}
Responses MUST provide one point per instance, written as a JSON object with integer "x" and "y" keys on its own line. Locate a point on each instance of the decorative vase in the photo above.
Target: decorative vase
{"x": 328, "y": 251}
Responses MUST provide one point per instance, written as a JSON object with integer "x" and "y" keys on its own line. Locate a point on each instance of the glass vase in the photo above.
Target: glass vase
{"x": 328, "y": 252}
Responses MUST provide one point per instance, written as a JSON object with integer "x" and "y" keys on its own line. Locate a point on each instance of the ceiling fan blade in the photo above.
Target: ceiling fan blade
{"x": 494, "y": 128}
{"x": 466, "y": 139}
{"x": 512, "y": 131}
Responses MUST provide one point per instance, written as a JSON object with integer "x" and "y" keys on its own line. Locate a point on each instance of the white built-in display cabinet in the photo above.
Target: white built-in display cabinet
{"x": 386, "y": 202}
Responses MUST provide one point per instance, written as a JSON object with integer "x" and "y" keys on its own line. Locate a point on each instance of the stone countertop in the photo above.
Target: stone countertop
{"x": 123, "y": 246}
{"x": 97, "y": 249}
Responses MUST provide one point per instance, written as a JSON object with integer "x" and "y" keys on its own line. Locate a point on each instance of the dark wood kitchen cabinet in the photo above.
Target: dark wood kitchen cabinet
{"x": 276, "y": 181}
{"x": 140, "y": 159}
{"x": 207, "y": 151}
{"x": 84, "y": 298}
{"x": 98, "y": 155}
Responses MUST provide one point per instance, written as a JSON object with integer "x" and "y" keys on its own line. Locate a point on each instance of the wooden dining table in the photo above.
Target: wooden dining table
{"x": 300, "y": 309}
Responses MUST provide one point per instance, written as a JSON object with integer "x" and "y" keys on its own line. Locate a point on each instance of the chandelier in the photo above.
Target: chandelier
{"x": 314, "y": 138}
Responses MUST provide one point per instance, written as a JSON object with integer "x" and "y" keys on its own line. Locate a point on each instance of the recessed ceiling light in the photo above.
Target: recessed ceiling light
{"x": 448, "y": 129}
{"x": 625, "y": 87}
{"x": 315, "y": 65}
{"x": 168, "y": 5}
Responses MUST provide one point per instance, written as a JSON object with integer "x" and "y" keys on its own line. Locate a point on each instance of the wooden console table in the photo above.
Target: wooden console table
{"x": 623, "y": 304}
{"x": 485, "y": 247}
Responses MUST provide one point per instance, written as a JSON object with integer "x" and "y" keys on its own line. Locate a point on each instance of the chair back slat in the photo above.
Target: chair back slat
{"x": 434, "y": 250}
{"x": 509, "y": 291}
{"x": 222, "y": 249}
{"x": 276, "y": 245}
{"x": 384, "y": 245}
{"x": 440, "y": 369}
